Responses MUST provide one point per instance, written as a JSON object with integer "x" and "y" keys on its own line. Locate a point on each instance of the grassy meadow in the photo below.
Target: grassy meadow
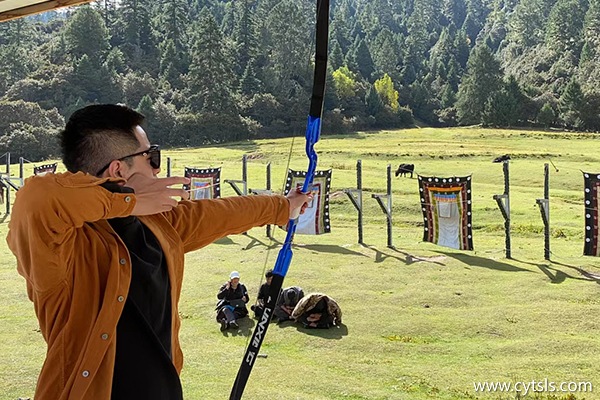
{"x": 419, "y": 321}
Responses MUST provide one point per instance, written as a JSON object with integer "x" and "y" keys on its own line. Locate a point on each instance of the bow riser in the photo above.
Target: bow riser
{"x": 284, "y": 258}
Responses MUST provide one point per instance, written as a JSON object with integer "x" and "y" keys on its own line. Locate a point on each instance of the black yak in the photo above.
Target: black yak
{"x": 503, "y": 158}
{"x": 404, "y": 169}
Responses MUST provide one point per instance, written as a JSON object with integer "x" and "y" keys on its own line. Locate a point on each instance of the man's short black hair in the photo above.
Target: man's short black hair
{"x": 97, "y": 134}
{"x": 269, "y": 273}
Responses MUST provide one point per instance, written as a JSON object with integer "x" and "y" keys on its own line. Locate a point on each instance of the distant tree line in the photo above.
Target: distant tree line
{"x": 213, "y": 71}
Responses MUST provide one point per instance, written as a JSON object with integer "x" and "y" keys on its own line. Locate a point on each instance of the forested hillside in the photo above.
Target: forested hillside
{"x": 207, "y": 71}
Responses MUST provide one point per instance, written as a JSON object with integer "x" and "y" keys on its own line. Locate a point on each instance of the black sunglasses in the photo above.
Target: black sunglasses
{"x": 153, "y": 152}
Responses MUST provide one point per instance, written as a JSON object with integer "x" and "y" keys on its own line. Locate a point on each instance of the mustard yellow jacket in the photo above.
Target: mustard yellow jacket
{"x": 78, "y": 271}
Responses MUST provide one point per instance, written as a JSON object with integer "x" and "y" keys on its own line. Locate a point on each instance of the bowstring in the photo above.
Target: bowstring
{"x": 272, "y": 240}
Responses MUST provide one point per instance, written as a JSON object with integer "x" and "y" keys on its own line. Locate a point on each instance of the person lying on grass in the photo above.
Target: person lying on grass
{"x": 317, "y": 310}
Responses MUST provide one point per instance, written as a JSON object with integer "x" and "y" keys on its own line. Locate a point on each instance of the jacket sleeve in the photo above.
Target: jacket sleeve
{"x": 201, "y": 222}
{"x": 245, "y": 293}
{"x": 222, "y": 294}
{"x": 47, "y": 211}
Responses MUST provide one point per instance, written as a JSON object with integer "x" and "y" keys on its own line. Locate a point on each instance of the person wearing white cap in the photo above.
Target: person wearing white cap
{"x": 233, "y": 297}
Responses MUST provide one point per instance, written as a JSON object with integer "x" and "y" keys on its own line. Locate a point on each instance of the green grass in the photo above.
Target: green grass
{"x": 420, "y": 321}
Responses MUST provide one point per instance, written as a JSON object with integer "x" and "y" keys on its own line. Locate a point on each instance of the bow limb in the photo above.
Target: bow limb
{"x": 284, "y": 258}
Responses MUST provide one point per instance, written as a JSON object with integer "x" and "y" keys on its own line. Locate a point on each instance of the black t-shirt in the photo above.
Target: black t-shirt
{"x": 143, "y": 366}
{"x": 263, "y": 292}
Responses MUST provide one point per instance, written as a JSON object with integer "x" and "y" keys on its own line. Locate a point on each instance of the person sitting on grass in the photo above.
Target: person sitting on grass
{"x": 233, "y": 297}
{"x": 317, "y": 310}
{"x": 263, "y": 293}
{"x": 288, "y": 299}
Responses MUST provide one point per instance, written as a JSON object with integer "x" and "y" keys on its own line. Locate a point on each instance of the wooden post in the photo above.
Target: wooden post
{"x": 355, "y": 196}
{"x": 8, "y": 186}
{"x": 387, "y": 207}
{"x": 544, "y": 205}
{"x": 245, "y": 168}
{"x": 268, "y": 186}
{"x": 503, "y": 201}
{"x": 168, "y": 167}
{"x": 244, "y": 181}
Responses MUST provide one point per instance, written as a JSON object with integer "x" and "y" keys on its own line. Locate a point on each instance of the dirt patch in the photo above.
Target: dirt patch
{"x": 255, "y": 156}
{"x": 337, "y": 195}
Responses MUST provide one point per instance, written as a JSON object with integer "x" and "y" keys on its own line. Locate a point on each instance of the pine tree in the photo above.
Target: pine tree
{"x": 361, "y": 59}
{"x": 210, "y": 82}
{"x": 452, "y": 74}
{"x": 373, "y": 101}
{"x": 244, "y": 36}
{"x": 519, "y": 98}
{"x": 170, "y": 64}
{"x": 477, "y": 12}
{"x": 146, "y": 109}
{"x": 89, "y": 79}
{"x": 342, "y": 16}
{"x": 375, "y": 16}
{"x": 289, "y": 73}
{"x": 500, "y": 109}
{"x": 336, "y": 57}
{"x": 482, "y": 79}
{"x": 135, "y": 34}
{"x": 250, "y": 84}
{"x": 17, "y": 52}
{"x": 13, "y": 66}
{"x": 421, "y": 22}
{"x": 528, "y": 21}
{"x": 454, "y": 12}
{"x": 87, "y": 35}
{"x": 173, "y": 22}
{"x": 444, "y": 49}
{"x": 108, "y": 10}
{"x": 330, "y": 101}
{"x": 440, "y": 59}
{"x": 546, "y": 117}
{"x": 448, "y": 96}
{"x": 589, "y": 69}
{"x": 384, "y": 51}
{"x": 571, "y": 104}
{"x": 564, "y": 26}
{"x": 461, "y": 43}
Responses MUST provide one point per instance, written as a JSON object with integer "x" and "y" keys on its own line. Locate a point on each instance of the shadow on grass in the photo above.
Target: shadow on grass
{"x": 586, "y": 275}
{"x": 254, "y": 242}
{"x": 558, "y": 276}
{"x": 326, "y": 248}
{"x": 225, "y": 241}
{"x": 246, "y": 324}
{"x": 399, "y": 255}
{"x": 337, "y": 332}
{"x": 476, "y": 261}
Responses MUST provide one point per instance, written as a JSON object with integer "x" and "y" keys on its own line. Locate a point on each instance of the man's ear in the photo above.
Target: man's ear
{"x": 115, "y": 169}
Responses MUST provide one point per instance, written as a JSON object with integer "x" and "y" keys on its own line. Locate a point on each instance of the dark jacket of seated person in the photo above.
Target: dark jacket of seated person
{"x": 233, "y": 297}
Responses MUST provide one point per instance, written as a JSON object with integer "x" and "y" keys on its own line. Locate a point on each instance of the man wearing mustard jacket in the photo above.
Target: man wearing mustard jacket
{"x": 102, "y": 247}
